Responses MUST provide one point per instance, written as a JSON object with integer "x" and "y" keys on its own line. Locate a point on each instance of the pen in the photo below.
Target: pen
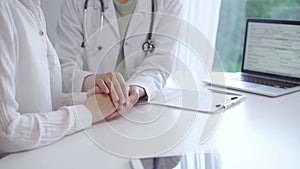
{"x": 230, "y": 104}
{"x": 224, "y": 92}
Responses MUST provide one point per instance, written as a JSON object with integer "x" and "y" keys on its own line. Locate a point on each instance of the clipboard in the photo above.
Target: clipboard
{"x": 206, "y": 101}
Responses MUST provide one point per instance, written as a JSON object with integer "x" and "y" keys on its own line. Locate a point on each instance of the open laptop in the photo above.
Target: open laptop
{"x": 271, "y": 59}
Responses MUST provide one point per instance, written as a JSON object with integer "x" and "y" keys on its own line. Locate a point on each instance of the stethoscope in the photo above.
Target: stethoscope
{"x": 148, "y": 46}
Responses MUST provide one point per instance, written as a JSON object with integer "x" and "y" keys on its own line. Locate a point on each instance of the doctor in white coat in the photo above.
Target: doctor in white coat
{"x": 33, "y": 111}
{"x": 90, "y": 45}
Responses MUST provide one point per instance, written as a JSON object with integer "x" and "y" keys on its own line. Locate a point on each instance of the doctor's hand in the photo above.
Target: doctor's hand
{"x": 112, "y": 84}
{"x": 135, "y": 92}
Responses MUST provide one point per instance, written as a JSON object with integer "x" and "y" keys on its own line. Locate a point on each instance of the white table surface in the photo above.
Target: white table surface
{"x": 259, "y": 133}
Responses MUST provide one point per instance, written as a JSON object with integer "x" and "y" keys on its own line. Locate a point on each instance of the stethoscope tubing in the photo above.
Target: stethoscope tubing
{"x": 149, "y": 36}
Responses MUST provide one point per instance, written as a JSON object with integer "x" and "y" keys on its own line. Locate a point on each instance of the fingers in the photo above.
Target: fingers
{"x": 133, "y": 95}
{"x": 113, "y": 115}
{"x": 102, "y": 86}
{"x": 113, "y": 94}
{"x": 88, "y": 83}
{"x": 95, "y": 90}
{"x": 124, "y": 87}
{"x": 110, "y": 83}
{"x": 94, "y": 85}
{"x": 98, "y": 90}
{"x": 117, "y": 87}
{"x": 118, "y": 90}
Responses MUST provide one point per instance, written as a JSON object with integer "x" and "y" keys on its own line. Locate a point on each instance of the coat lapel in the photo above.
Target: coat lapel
{"x": 110, "y": 16}
{"x": 142, "y": 9}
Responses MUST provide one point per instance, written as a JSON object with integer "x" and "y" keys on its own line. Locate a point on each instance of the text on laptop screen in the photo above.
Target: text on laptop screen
{"x": 273, "y": 48}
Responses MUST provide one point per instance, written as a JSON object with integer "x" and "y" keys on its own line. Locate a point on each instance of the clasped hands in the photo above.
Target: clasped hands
{"x": 109, "y": 95}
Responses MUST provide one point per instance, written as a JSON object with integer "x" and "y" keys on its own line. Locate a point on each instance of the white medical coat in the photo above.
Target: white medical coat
{"x": 149, "y": 71}
{"x": 30, "y": 82}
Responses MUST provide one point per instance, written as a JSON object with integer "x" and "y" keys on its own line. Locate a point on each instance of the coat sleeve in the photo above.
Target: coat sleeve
{"x": 155, "y": 69}
{"x": 68, "y": 39}
{"x": 20, "y": 131}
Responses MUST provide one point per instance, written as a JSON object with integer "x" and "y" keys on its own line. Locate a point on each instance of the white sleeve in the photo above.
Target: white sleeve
{"x": 34, "y": 129}
{"x": 29, "y": 131}
{"x": 155, "y": 69}
{"x": 68, "y": 39}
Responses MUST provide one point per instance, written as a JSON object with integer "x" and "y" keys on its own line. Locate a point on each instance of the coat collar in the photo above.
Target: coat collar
{"x": 30, "y": 4}
{"x": 36, "y": 2}
{"x": 142, "y": 8}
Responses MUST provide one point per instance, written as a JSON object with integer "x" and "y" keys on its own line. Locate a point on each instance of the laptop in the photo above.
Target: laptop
{"x": 271, "y": 59}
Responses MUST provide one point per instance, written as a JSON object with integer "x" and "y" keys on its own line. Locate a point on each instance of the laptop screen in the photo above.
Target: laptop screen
{"x": 272, "y": 47}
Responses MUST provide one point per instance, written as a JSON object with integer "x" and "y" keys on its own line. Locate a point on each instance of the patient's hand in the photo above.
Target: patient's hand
{"x": 135, "y": 92}
{"x": 100, "y": 106}
{"x": 112, "y": 84}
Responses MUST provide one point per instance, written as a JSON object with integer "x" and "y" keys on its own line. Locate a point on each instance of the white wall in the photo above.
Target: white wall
{"x": 51, "y": 10}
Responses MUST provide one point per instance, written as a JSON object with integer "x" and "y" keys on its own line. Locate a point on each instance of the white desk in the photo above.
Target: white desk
{"x": 260, "y": 133}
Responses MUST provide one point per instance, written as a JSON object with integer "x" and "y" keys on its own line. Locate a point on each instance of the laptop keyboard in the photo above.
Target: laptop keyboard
{"x": 268, "y": 82}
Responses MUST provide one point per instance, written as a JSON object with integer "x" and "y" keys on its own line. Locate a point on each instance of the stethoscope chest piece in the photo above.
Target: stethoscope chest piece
{"x": 149, "y": 46}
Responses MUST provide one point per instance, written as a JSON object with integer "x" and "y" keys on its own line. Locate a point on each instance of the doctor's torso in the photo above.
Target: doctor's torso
{"x": 103, "y": 42}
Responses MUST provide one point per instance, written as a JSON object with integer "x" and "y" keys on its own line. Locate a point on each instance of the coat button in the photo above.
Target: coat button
{"x": 41, "y": 33}
{"x": 8, "y": 132}
{"x": 99, "y": 47}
